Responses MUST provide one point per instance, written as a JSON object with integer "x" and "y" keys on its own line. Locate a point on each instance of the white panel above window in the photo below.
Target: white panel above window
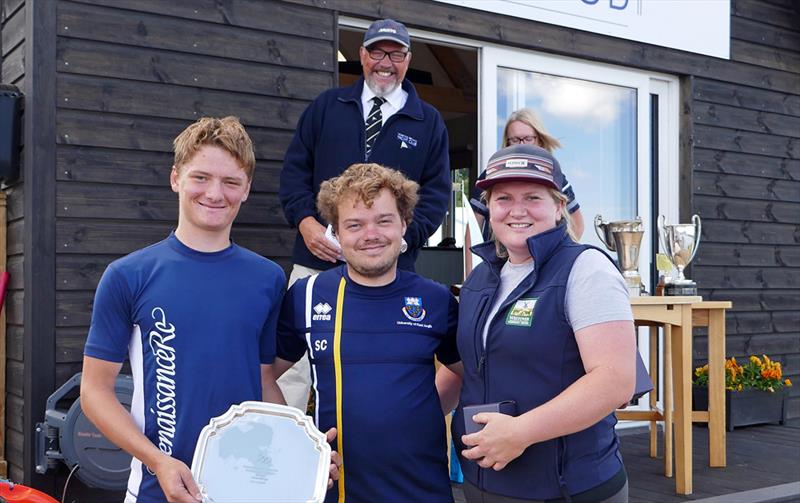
{"x": 699, "y": 26}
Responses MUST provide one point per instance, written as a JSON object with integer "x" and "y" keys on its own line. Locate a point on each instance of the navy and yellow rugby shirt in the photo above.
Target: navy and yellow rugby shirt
{"x": 371, "y": 351}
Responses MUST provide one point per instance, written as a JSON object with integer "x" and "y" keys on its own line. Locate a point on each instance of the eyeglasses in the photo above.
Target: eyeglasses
{"x": 516, "y": 140}
{"x": 394, "y": 56}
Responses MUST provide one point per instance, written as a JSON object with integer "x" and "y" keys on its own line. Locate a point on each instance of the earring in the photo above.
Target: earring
{"x": 403, "y": 245}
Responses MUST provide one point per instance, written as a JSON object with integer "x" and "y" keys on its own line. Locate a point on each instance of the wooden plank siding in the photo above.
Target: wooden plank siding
{"x": 12, "y": 71}
{"x": 747, "y": 181}
{"x": 137, "y": 167}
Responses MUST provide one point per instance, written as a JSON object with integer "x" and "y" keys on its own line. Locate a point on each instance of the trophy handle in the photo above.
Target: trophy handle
{"x": 661, "y": 233}
{"x": 697, "y": 229}
{"x": 598, "y": 223}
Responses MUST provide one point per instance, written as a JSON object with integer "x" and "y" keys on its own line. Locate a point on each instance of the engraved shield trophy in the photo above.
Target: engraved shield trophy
{"x": 624, "y": 237}
{"x": 680, "y": 242}
{"x": 261, "y": 452}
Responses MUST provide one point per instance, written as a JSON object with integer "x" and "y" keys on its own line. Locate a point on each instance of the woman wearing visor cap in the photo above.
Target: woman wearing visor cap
{"x": 547, "y": 341}
{"x": 524, "y": 127}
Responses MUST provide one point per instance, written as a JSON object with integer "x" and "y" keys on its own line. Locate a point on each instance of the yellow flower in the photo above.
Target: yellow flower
{"x": 755, "y": 360}
{"x": 787, "y": 383}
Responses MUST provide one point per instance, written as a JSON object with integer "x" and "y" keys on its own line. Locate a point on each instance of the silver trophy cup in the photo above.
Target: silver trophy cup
{"x": 680, "y": 242}
{"x": 625, "y": 238}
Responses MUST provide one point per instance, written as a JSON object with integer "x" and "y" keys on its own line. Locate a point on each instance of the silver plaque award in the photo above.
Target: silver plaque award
{"x": 261, "y": 452}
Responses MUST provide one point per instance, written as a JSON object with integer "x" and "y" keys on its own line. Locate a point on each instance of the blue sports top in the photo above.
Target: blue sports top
{"x": 196, "y": 327}
{"x": 371, "y": 351}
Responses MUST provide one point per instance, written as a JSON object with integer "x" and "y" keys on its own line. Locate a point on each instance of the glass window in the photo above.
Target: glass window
{"x": 596, "y": 126}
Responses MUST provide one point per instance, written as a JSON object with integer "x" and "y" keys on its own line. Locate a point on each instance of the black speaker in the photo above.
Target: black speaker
{"x": 10, "y": 119}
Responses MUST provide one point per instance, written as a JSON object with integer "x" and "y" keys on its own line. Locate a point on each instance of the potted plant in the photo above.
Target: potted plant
{"x": 755, "y": 392}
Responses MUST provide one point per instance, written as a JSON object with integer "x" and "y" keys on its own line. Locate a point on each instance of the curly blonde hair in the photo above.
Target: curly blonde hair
{"x": 364, "y": 182}
{"x": 226, "y": 133}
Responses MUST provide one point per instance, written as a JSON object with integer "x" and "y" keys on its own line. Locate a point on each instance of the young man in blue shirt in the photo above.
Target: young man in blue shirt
{"x": 372, "y": 331}
{"x": 194, "y": 313}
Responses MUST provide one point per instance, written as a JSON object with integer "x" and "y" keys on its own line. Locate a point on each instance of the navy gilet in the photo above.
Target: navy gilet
{"x": 531, "y": 365}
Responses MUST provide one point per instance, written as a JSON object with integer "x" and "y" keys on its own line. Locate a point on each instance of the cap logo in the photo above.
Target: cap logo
{"x": 516, "y": 163}
{"x": 388, "y": 30}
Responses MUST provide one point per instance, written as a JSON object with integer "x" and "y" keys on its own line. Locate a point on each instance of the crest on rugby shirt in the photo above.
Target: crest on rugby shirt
{"x": 413, "y": 308}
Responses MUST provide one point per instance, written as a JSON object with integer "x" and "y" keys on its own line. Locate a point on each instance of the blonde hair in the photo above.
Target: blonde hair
{"x": 226, "y": 133}
{"x": 364, "y": 182}
{"x": 529, "y": 117}
{"x": 557, "y": 196}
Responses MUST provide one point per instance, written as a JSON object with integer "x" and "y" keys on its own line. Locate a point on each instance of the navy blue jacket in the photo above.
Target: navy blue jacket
{"x": 330, "y": 137}
{"x": 531, "y": 365}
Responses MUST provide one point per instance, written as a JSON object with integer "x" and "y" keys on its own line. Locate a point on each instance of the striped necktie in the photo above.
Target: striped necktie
{"x": 373, "y": 125}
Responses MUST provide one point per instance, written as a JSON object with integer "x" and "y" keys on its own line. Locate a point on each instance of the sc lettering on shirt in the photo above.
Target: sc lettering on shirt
{"x": 320, "y": 345}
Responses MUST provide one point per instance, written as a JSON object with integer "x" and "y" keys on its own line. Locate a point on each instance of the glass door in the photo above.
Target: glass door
{"x": 604, "y": 118}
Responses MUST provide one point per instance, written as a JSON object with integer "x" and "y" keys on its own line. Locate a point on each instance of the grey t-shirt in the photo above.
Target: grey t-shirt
{"x": 511, "y": 275}
{"x": 595, "y": 293}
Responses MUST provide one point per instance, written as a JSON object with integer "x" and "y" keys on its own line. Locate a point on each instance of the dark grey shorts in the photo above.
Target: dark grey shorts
{"x": 474, "y": 495}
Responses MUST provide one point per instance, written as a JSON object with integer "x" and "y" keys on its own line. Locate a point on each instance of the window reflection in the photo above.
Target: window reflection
{"x": 596, "y": 125}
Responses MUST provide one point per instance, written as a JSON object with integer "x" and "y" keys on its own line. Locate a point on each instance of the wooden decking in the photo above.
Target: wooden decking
{"x": 759, "y": 457}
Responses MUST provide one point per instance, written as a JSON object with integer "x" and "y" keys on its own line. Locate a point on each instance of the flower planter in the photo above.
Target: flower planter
{"x": 746, "y": 407}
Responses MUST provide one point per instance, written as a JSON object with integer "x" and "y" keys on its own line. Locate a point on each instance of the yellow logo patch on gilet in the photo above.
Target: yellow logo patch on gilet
{"x": 521, "y": 313}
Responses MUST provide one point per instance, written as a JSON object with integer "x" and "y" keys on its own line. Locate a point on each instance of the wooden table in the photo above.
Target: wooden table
{"x": 711, "y": 314}
{"x": 678, "y": 315}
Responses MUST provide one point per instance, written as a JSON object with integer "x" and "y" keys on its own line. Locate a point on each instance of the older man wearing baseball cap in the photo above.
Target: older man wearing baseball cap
{"x": 379, "y": 119}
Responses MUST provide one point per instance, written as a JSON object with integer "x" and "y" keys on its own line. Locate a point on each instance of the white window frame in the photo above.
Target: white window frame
{"x": 666, "y": 87}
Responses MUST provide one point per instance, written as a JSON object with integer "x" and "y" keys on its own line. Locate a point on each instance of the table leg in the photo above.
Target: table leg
{"x": 716, "y": 387}
{"x": 682, "y": 367}
{"x": 654, "y": 393}
{"x": 667, "y": 400}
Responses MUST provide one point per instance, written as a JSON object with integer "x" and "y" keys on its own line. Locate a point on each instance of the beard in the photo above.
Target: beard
{"x": 372, "y": 268}
{"x": 380, "y": 90}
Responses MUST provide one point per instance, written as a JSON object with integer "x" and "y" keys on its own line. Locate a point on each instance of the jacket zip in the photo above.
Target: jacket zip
{"x": 480, "y": 353}
{"x": 478, "y": 336}
{"x": 483, "y": 361}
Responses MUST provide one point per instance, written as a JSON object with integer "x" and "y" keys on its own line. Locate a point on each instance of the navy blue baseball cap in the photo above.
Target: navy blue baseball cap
{"x": 387, "y": 29}
{"x": 522, "y": 163}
